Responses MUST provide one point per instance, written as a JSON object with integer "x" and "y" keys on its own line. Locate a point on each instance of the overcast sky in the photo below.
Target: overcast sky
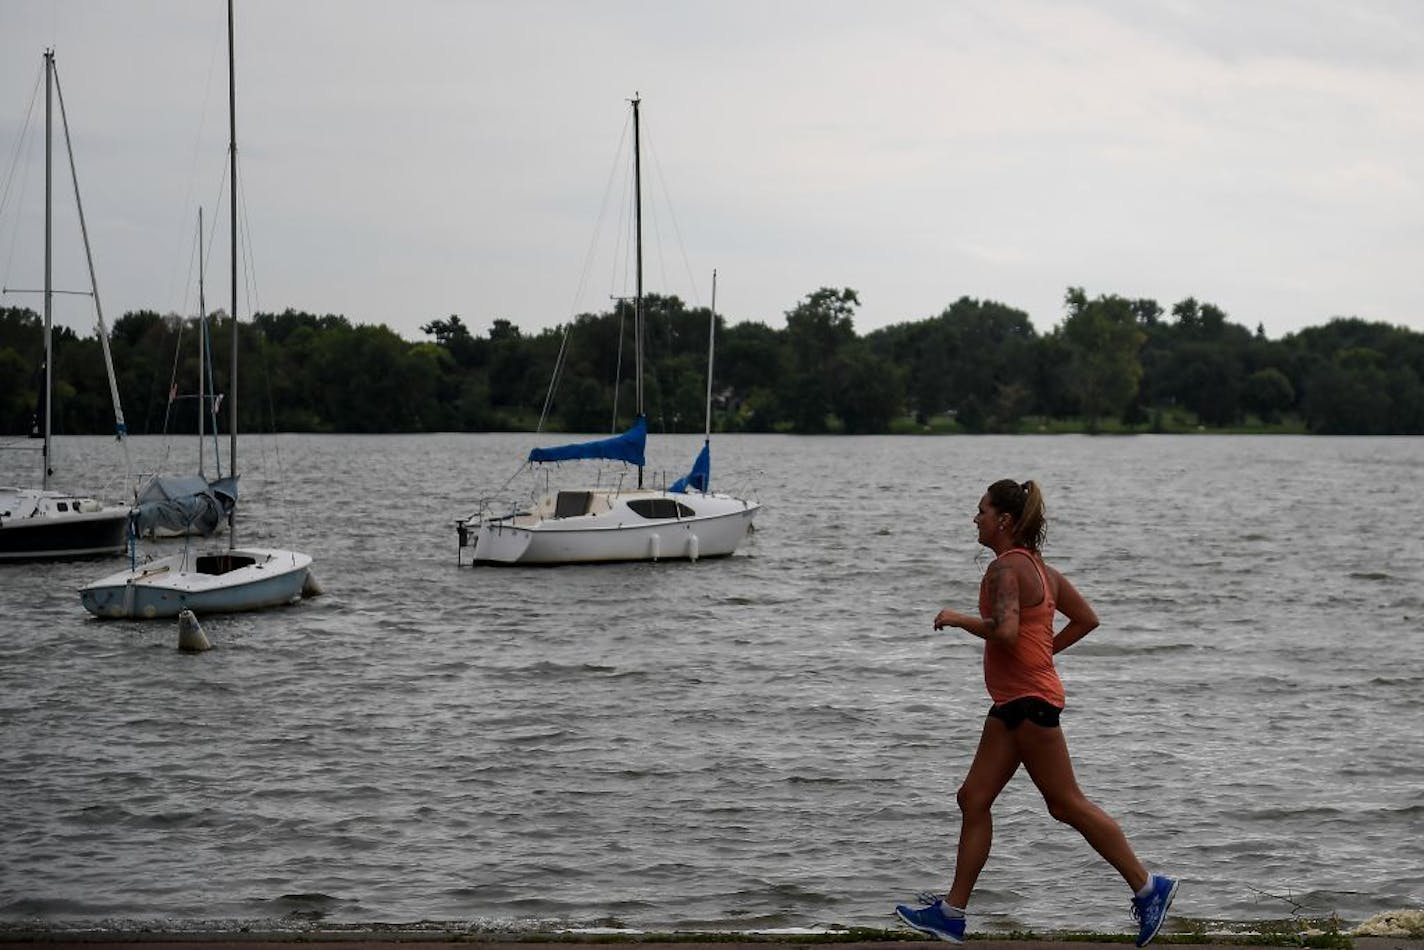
{"x": 403, "y": 161}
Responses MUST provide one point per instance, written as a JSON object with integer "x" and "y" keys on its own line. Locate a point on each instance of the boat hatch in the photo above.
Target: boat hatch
{"x": 661, "y": 508}
{"x": 572, "y": 504}
{"x": 223, "y": 563}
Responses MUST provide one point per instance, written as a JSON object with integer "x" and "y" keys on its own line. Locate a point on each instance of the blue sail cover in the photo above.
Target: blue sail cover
{"x": 627, "y": 447}
{"x": 700, "y": 478}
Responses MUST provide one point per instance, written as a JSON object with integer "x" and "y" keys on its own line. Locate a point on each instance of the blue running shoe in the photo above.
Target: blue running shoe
{"x": 1151, "y": 911}
{"x": 933, "y": 921}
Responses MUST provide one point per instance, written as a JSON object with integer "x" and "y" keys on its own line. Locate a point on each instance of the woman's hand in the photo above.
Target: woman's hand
{"x": 950, "y": 618}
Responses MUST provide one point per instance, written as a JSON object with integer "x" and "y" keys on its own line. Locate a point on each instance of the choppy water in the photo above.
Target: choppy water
{"x": 772, "y": 740}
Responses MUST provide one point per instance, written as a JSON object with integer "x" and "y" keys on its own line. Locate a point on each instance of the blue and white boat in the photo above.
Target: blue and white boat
{"x": 612, "y": 521}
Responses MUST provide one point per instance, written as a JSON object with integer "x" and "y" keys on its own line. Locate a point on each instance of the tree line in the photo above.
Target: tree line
{"x": 1112, "y": 363}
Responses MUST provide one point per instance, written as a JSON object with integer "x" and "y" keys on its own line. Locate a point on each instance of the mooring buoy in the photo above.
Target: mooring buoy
{"x": 191, "y": 638}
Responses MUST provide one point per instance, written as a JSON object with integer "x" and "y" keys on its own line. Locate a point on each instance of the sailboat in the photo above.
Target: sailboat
{"x": 171, "y": 506}
{"x": 220, "y": 581}
{"x": 611, "y": 523}
{"x": 43, "y": 523}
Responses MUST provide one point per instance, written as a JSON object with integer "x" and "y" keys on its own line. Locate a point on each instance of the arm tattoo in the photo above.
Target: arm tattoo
{"x": 1006, "y": 596}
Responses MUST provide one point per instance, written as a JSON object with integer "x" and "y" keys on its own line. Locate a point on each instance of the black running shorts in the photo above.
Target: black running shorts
{"x": 1040, "y": 712}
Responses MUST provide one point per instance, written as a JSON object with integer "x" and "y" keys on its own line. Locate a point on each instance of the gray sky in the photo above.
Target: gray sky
{"x": 403, "y": 161}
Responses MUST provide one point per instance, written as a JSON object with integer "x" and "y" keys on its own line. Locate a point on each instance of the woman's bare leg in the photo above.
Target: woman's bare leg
{"x": 1044, "y": 752}
{"x": 995, "y": 762}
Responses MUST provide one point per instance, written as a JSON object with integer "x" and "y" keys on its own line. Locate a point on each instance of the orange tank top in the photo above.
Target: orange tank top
{"x": 1026, "y": 669}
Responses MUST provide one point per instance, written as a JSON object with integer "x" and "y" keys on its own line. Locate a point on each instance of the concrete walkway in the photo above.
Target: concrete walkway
{"x": 423, "y": 940}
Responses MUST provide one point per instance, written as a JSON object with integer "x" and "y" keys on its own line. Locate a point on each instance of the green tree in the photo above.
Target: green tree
{"x": 749, "y": 356}
{"x": 1011, "y": 403}
{"x": 1268, "y": 393}
{"x": 1211, "y": 382}
{"x": 816, "y": 330}
{"x": 961, "y": 360}
{"x": 1103, "y": 341}
{"x": 1348, "y": 395}
{"x": 453, "y": 335}
{"x": 510, "y": 363}
{"x": 868, "y": 391}
{"x": 16, "y": 403}
{"x": 21, "y": 357}
{"x": 22, "y": 330}
{"x": 587, "y": 406}
{"x": 154, "y": 354}
{"x": 1406, "y": 397}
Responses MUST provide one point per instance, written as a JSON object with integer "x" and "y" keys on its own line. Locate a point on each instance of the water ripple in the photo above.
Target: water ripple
{"x": 772, "y": 739}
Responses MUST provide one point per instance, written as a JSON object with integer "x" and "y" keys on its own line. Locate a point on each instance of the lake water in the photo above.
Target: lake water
{"x": 770, "y": 740}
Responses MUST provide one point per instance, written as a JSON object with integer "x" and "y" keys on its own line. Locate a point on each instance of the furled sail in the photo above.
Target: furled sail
{"x": 700, "y": 478}
{"x": 627, "y": 447}
{"x": 186, "y": 504}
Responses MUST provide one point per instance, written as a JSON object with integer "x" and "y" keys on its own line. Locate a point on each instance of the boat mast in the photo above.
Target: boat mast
{"x": 711, "y": 336}
{"x": 638, "y": 299}
{"x": 232, "y": 208}
{"x": 202, "y": 349}
{"x": 48, "y": 263}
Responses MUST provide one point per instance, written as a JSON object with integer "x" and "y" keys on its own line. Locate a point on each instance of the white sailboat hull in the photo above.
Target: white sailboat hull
{"x": 218, "y": 582}
{"x": 614, "y": 531}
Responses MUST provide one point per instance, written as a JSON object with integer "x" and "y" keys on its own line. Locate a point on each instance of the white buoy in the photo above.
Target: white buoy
{"x": 191, "y": 638}
{"x": 692, "y": 548}
{"x": 311, "y": 587}
{"x": 655, "y": 547}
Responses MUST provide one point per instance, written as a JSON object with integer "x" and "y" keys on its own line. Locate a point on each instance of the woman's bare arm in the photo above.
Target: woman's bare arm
{"x": 1003, "y": 624}
{"x": 1073, "y": 605}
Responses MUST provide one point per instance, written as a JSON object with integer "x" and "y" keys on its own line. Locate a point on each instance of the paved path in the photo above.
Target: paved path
{"x": 422, "y": 940}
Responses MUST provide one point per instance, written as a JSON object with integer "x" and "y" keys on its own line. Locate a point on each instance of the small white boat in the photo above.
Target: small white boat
{"x": 224, "y": 581}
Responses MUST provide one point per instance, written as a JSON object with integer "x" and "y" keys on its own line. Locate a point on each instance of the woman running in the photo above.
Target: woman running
{"x": 1017, "y": 601}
